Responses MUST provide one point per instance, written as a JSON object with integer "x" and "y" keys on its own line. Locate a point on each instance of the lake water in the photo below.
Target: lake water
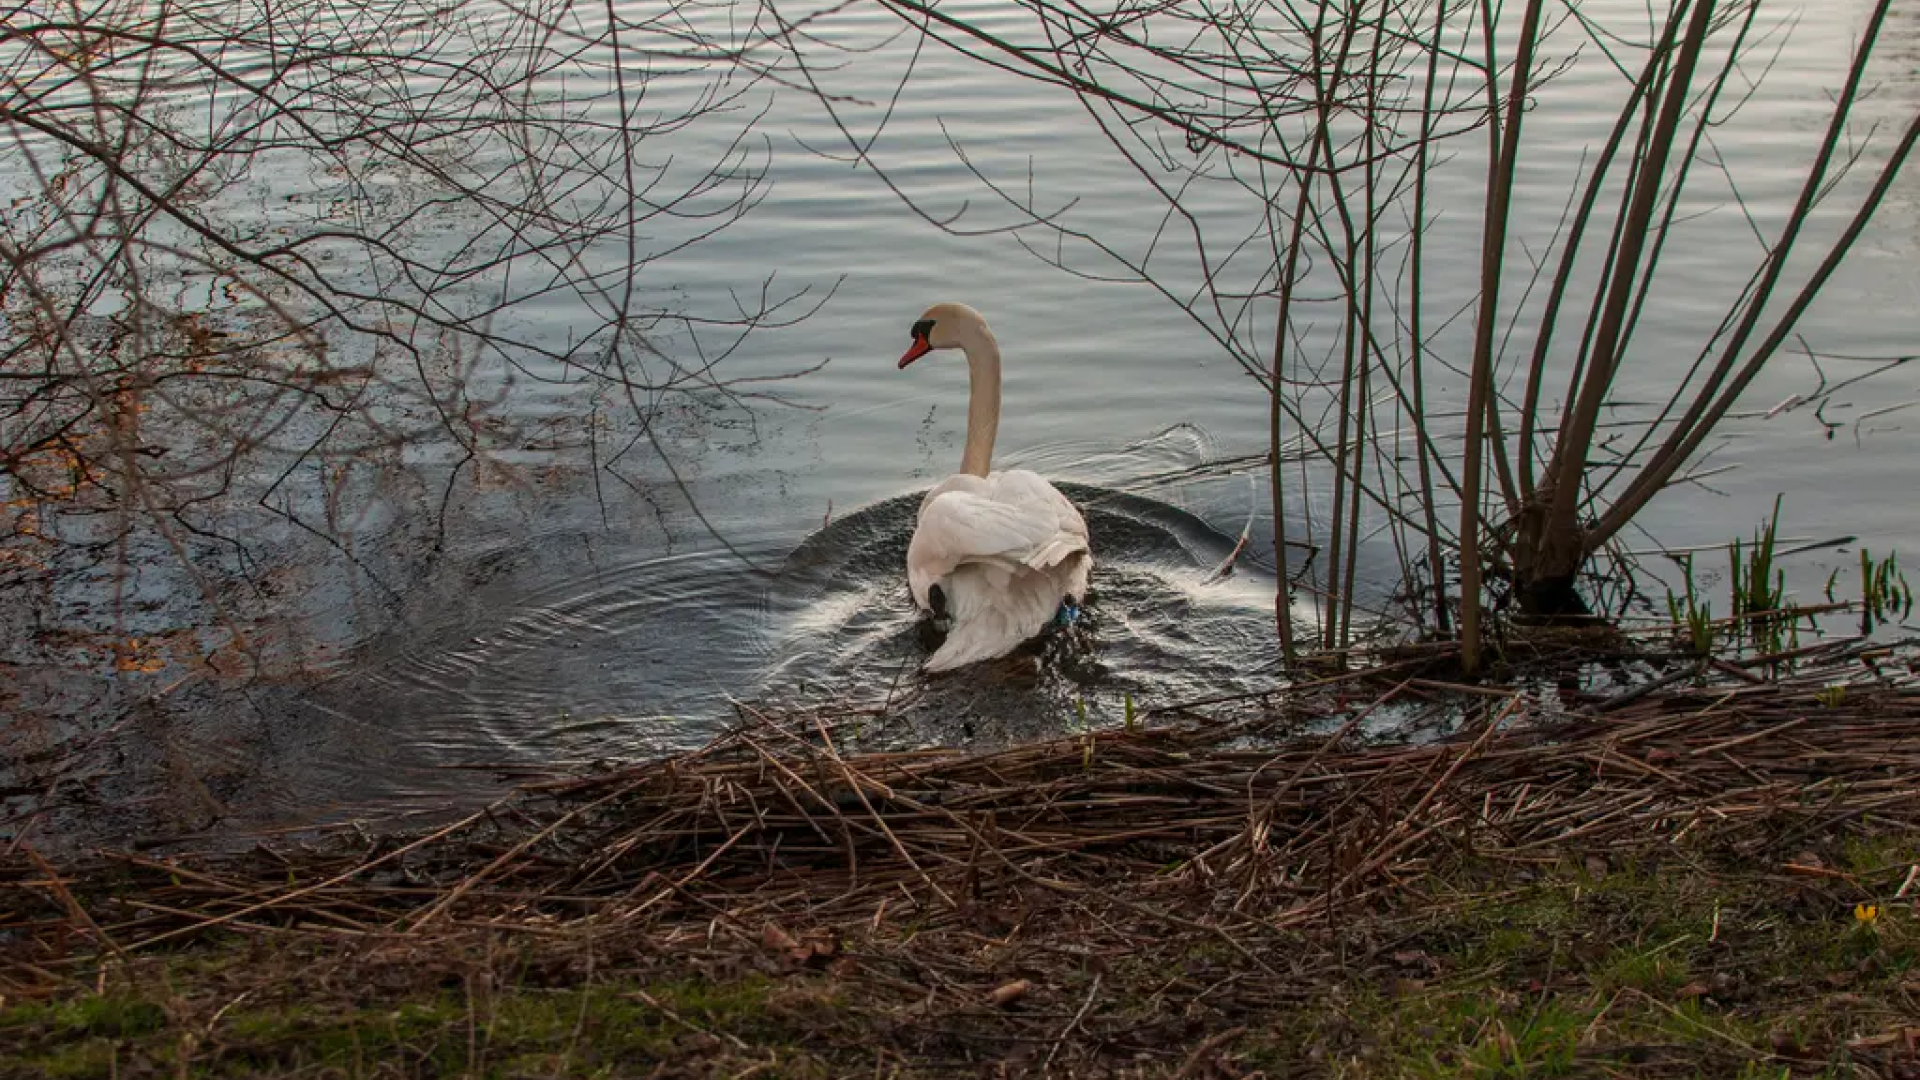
{"x": 748, "y": 550}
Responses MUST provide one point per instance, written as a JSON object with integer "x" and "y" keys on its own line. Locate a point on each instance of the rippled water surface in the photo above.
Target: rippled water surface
{"x": 752, "y": 551}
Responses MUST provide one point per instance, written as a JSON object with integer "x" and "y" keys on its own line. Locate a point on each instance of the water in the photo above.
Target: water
{"x": 614, "y": 590}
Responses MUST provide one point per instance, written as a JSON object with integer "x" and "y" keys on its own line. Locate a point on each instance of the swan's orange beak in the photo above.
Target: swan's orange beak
{"x": 920, "y": 348}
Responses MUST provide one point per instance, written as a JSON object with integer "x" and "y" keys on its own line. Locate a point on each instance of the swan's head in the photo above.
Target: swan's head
{"x": 944, "y": 326}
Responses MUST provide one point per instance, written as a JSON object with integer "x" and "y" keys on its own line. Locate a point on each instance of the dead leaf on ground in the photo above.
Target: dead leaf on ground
{"x": 777, "y": 940}
{"x": 1006, "y": 995}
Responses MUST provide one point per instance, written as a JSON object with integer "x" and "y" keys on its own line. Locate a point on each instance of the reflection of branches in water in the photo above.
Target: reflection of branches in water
{"x": 301, "y": 257}
{"x": 1311, "y": 120}
{"x": 1306, "y": 192}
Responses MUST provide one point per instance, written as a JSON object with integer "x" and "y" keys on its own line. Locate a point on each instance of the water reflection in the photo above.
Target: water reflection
{"x": 564, "y": 647}
{"x": 563, "y": 603}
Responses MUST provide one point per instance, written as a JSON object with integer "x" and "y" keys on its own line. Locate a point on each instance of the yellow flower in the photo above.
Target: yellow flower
{"x": 1866, "y": 913}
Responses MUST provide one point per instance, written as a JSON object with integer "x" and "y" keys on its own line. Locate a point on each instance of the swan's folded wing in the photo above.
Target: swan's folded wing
{"x": 1002, "y": 526}
{"x": 964, "y": 528}
{"x": 1031, "y": 493}
{"x": 961, "y": 527}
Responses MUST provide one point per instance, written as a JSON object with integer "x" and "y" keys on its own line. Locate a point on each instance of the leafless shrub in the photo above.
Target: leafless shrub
{"x": 1331, "y": 121}
{"x": 279, "y": 269}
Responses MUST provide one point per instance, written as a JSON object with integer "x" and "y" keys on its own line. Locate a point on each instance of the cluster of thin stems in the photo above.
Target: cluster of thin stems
{"x": 1339, "y": 118}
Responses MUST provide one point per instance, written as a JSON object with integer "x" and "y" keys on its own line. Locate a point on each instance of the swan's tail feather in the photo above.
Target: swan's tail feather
{"x": 993, "y": 613}
{"x": 1075, "y": 575}
{"x": 960, "y": 649}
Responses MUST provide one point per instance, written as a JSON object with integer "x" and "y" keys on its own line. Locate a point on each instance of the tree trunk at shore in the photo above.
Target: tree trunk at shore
{"x": 1548, "y": 553}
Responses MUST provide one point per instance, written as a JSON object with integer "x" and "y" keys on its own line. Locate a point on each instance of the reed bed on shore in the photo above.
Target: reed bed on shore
{"x": 1379, "y": 872}
{"x": 1213, "y": 824}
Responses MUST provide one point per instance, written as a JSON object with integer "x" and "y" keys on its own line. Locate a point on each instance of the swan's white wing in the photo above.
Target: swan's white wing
{"x": 1030, "y": 492}
{"x": 962, "y": 528}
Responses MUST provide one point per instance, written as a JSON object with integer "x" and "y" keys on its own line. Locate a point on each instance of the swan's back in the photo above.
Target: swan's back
{"x": 1005, "y": 550}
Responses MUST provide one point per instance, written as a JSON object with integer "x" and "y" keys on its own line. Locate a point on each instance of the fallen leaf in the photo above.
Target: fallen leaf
{"x": 1416, "y": 958}
{"x": 777, "y": 939}
{"x": 815, "y": 952}
{"x": 1010, "y": 993}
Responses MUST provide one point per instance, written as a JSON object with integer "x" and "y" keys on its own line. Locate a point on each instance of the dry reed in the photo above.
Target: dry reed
{"x": 1213, "y": 827}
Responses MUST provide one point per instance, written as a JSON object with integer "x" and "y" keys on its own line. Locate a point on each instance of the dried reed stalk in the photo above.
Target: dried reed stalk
{"x": 776, "y": 822}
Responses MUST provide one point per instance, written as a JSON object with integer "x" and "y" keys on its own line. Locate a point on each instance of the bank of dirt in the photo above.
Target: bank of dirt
{"x": 1715, "y": 879}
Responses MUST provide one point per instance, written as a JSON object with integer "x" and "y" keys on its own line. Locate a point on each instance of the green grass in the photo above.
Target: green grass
{"x": 1583, "y": 968}
{"x": 1658, "y": 971}
{"x": 108, "y": 1016}
{"x": 1655, "y": 971}
{"x": 613, "y": 1028}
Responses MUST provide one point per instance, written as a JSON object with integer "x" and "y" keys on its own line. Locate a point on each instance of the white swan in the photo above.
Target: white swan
{"x": 998, "y": 555}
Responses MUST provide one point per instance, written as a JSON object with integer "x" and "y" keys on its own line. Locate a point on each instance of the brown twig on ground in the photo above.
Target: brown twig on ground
{"x": 776, "y": 819}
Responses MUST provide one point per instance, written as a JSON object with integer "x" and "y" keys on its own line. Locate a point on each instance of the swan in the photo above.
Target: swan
{"x": 996, "y": 555}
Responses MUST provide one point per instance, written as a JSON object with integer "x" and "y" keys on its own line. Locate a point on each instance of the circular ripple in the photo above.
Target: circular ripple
{"x": 576, "y": 645}
{"x": 1161, "y": 624}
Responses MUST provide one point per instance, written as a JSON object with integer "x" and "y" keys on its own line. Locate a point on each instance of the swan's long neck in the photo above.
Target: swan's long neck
{"x": 983, "y": 402}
